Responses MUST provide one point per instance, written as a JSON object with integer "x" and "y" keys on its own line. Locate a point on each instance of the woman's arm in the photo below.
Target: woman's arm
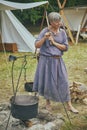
{"x": 40, "y": 42}
{"x": 58, "y": 45}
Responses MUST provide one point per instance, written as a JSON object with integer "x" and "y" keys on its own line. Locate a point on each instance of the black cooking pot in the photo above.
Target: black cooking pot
{"x": 24, "y": 107}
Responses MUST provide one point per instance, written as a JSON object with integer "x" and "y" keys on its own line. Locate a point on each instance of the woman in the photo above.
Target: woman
{"x": 51, "y": 79}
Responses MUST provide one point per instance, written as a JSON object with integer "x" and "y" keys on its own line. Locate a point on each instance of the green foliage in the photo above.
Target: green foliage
{"x": 33, "y": 16}
{"x": 76, "y": 3}
{"x": 71, "y": 3}
{"x": 30, "y": 16}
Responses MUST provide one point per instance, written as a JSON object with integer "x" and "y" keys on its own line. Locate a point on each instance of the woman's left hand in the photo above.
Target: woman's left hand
{"x": 51, "y": 39}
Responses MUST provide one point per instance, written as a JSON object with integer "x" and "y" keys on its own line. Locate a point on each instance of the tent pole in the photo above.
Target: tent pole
{"x": 4, "y": 51}
{"x": 77, "y": 35}
{"x": 85, "y": 23}
{"x": 83, "y": 18}
{"x": 6, "y": 58}
{"x": 61, "y": 7}
{"x": 43, "y": 18}
{"x": 80, "y": 27}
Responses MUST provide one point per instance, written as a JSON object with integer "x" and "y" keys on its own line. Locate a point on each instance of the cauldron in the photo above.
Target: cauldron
{"x": 24, "y": 107}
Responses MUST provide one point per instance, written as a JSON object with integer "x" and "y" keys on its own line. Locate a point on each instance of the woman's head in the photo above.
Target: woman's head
{"x": 54, "y": 17}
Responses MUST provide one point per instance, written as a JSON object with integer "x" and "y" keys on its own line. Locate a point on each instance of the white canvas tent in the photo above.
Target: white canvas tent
{"x": 77, "y": 20}
{"x": 12, "y": 31}
{"x": 75, "y": 17}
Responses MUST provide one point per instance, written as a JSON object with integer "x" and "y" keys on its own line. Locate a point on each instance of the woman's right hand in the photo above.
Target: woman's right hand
{"x": 47, "y": 35}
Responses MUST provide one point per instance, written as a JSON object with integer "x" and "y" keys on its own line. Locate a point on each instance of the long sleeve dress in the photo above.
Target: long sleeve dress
{"x": 51, "y": 79}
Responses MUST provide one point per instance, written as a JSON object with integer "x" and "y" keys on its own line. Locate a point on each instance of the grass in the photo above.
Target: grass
{"x": 76, "y": 61}
{"x": 6, "y": 87}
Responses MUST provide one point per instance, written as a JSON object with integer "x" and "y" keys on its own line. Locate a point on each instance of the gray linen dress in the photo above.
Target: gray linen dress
{"x": 51, "y": 80}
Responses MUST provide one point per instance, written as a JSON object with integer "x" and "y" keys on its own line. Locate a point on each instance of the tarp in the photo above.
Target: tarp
{"x": 7, "y": 5}
{"x": 12, "y": 30}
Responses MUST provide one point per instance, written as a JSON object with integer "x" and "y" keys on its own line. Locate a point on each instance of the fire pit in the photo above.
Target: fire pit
{"x": 24, "y": 107}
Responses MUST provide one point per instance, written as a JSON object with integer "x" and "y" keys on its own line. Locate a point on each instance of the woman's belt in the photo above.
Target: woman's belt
{"x": 57, "y": 57}
{"x": 54, "y": 56}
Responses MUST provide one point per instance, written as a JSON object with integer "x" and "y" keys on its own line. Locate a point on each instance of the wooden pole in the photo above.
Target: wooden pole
{"x": 61, "y": 7}
{"x": 43, "y": 19}
{"x": 3, "y": 46}
{"x": 77, "y": 35}
{"x": 80, "y": 27}
{"x": 84, "y": 17}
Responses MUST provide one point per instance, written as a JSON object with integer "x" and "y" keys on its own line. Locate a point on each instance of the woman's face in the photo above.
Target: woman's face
{"x": 55, "y": 24}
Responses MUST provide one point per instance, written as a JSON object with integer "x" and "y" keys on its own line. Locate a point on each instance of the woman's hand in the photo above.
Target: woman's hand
{"x": 58, "y": 45}
{"x": 42, "y": 41}
{"x": 51, "y": 39}
{"x": 47, "y": 35}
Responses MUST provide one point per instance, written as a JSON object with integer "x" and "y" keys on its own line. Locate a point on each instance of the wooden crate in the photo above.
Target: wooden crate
{"x": 10, "y": 47}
